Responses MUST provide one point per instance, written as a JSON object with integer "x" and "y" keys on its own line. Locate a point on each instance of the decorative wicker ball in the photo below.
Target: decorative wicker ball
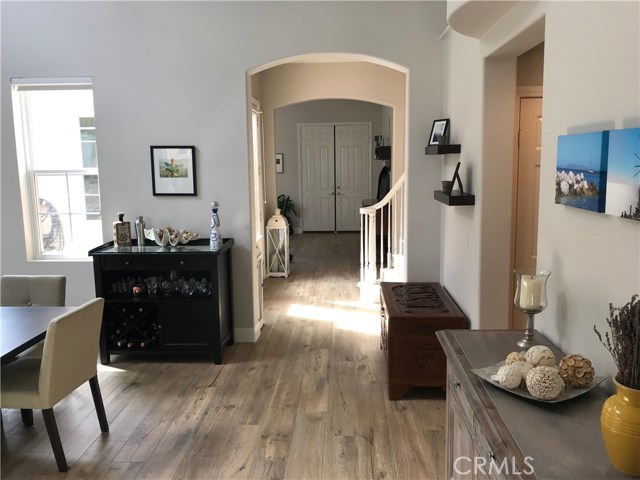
{"x": 515, "y": 357}
{"x": 540, "y": 356}
{"x": 509, "y": 376}
{"x": 576, "y": 370}
{"x": 544, "y": 383}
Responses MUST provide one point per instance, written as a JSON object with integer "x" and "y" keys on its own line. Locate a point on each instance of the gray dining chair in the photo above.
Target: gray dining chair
{"x": 33, "y": 290}
{"x": 69, "y": 359}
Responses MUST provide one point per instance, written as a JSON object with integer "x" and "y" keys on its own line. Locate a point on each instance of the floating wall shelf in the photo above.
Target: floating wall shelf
{"x": 442, "y": 149}
{"x": 455, "y": 198}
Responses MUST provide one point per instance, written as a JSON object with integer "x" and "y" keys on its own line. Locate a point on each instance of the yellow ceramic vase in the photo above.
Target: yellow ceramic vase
{"x": 620, "y": 425}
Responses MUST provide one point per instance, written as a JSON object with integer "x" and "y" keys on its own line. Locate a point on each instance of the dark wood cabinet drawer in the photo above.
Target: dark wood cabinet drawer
{"x": 192, "y": 262}
{"x": 150, "y": 262}
{"x": 128, "y": 262}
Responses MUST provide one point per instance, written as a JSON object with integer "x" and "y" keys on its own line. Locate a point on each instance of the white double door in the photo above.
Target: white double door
{"x": 335, "y": 165}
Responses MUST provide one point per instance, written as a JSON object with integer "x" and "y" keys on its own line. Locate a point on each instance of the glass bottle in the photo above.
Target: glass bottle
{"x": 215, "y": 240}
{"x": 121, "y": 232}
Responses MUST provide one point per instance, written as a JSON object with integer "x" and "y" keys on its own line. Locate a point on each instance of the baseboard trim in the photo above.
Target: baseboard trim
{"x": 248, "y": 335}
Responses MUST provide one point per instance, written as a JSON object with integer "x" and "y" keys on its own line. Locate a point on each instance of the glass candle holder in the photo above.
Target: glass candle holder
{"x": 530, "y": 298}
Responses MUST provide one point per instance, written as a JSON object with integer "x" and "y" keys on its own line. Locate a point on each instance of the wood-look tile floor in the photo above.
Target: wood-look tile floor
{"x": 308, "y": 400}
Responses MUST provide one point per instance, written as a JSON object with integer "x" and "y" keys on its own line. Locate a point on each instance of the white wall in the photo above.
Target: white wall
{"x": 591, "y": 82}
{"x": 596, "y": 257}
{"x": 175, "y": 73}
{"x": 460, "y": 261}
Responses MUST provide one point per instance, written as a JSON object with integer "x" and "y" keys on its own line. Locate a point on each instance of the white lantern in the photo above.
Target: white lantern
{"x": 278, "y": 246}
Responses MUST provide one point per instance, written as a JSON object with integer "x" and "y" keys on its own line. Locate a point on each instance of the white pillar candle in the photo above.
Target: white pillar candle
{"x": 530, "y": 292}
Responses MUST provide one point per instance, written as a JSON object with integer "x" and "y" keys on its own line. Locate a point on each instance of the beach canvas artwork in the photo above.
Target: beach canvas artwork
{"x": 581, "y": 170}
{"x": 623, "y": 178}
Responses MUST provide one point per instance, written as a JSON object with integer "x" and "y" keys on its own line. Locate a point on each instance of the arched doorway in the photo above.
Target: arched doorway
{"x": 315, "y": 77}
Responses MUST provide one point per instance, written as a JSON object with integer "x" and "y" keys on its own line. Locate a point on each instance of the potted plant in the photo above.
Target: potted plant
{"x": 620, "y": 417}
{"x": 286, "y": 206}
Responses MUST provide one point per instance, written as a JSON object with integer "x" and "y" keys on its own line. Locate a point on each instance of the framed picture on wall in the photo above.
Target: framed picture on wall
{"x": 581, "y": 170}
{"x": 173, "y": 170}
{"x": 279, "y": 163}
{"x": 439, "y": 129}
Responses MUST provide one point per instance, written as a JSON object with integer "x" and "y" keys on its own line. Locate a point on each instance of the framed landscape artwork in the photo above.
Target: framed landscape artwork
{"x": 173, "y": 170}
{"x": 581, "y": 170}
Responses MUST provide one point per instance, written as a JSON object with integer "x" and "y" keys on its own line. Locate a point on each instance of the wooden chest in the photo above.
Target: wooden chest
{"x": 411, "y": 313}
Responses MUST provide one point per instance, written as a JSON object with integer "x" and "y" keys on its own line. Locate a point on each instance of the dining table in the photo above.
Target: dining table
{"x": 21, "y": 327}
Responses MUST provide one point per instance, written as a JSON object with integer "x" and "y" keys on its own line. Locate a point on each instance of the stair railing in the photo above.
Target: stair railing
{"x": 382, "y": 235}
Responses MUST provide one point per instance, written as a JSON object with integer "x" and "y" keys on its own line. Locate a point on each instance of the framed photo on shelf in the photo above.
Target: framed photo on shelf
{"x": 279, "y": 163}
{"x": 439, "y": 129}
{"x": 173, "y": 170}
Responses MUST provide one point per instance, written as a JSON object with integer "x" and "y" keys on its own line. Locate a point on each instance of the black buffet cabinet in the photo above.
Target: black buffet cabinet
{"x": 164, "y": 300}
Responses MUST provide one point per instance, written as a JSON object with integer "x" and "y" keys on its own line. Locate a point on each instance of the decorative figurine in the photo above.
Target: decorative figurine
{"x": 215, "y": 240}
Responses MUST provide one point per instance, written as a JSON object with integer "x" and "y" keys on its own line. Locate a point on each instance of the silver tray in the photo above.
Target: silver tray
{"x": 567, "y": 394}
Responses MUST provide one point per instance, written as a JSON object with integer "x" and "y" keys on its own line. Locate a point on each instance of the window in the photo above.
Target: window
{"x": 58, "y": 163}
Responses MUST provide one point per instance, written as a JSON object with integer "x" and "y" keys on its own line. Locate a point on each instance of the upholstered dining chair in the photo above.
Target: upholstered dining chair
{"x": 69, "y": 359}
{"x": 33, "y": 290}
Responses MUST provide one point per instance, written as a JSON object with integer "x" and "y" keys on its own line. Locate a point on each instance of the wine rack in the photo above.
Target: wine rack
{"x": 161, "y": 301}
{"x": 131, "y": 326}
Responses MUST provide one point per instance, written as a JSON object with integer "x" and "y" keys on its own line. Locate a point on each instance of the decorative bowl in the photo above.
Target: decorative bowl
{"x": 568, "y": 393}
{"x": 170, "y": 236}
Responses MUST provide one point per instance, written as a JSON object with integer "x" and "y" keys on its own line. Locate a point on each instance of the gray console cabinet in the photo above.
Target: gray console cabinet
{"x": 493, "y": 434}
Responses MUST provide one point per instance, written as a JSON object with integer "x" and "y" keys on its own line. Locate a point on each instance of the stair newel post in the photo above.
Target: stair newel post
{"x": 371, "y": 249}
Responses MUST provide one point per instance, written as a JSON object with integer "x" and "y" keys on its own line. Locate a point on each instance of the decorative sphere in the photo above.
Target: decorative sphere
{"x": 539, "y": 356}
{"x": 515, "y": 357}
{"x": 509, "y": 376}
{"x": 576, "y": 370}
{"x": 544, "y": 383}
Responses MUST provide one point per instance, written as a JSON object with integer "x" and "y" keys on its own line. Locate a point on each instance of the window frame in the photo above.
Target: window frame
{"x": 30, "y": 201}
